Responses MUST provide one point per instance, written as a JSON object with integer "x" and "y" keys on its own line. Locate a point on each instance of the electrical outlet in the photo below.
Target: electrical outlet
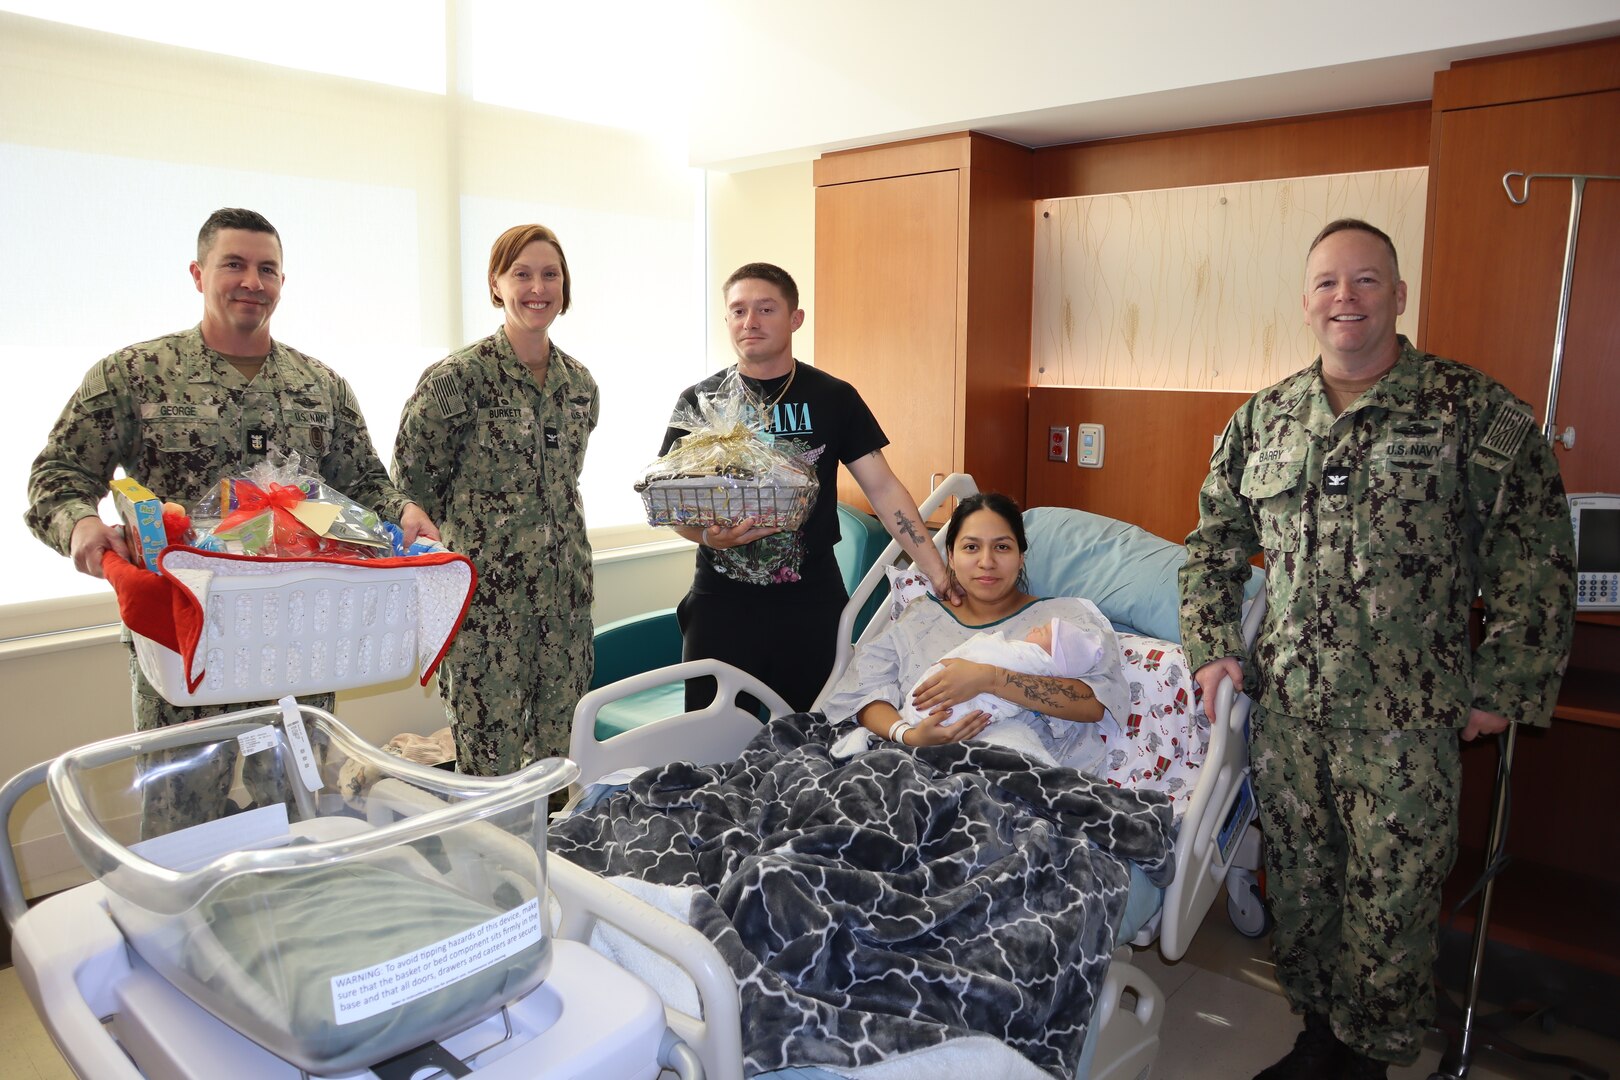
{"x": 1057, "y": 443}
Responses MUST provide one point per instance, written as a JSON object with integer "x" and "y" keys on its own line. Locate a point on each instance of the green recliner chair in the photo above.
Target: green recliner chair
{"x": 651, "y": 640}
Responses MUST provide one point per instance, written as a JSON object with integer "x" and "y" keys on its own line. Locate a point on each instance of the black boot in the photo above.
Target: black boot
{"x": 1354, "y": 1066}
{"x": 1316, "y": 1054}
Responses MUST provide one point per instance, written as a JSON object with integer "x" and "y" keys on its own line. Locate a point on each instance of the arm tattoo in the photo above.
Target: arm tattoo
{"x": 907, "y": 527}
{"x": 1047, "y": 691}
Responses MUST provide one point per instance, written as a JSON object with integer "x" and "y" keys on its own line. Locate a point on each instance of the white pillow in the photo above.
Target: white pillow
{"x": 1161, "y": 745}
{"x": 904, "y": 587}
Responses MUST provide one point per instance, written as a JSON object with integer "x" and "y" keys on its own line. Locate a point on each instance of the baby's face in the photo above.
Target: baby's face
{"x": 1042, "y": 636}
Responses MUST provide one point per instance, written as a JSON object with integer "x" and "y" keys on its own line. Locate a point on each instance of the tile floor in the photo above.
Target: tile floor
{"x": 1224, "y": 1019}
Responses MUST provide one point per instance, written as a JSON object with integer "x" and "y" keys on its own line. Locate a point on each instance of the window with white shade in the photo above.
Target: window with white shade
{"x": 125, "y": 126}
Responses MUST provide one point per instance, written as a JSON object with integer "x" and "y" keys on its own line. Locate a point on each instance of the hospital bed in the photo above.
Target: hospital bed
{"x": 1131, "y": 576}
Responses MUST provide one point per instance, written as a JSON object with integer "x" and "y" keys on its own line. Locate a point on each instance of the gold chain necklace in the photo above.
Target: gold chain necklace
{"x": 765, "y": 408}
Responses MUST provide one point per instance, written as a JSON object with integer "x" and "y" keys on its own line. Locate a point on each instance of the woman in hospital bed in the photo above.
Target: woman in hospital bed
{"x": 896, "y": 690}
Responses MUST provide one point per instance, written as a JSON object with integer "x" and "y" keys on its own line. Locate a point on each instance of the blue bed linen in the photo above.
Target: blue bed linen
{"x": 1126, "y": 571}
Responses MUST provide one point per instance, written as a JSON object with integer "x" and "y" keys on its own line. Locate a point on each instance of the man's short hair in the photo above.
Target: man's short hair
{"x": 1360, "y": 226}
{"x": 231, "y": 217}
{"x": 510, "y": 244}
{"x": 767, "y": 272}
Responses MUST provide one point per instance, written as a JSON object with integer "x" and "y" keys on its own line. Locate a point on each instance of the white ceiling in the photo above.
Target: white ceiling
{"x": 780, "y": 83}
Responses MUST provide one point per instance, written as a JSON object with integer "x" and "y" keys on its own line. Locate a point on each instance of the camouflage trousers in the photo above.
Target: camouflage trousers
{"x": 1360, "y": 829}
{"x": 191, "y": 785}
{"x": 510, "y": 697}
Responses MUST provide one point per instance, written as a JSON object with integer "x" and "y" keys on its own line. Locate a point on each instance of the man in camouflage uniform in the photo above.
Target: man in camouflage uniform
{"x": 1387, "y": 488}
{"x": 181, "y": 411}
{"x": 492, "y": 444}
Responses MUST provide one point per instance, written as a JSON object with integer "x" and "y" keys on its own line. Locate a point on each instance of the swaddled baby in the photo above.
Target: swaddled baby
{"x": 1056, "y": 648}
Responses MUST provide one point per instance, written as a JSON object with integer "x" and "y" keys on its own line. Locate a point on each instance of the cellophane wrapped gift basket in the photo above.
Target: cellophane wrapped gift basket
{"x": 725, "y": 469}
{"x": 287, "y": 586}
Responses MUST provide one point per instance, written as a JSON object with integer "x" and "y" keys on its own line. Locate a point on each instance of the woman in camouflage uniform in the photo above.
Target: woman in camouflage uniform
{"x": 491, "y": 444}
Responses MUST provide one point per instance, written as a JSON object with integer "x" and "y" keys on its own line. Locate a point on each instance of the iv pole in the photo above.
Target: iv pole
{"x": 1454, "y": 1064}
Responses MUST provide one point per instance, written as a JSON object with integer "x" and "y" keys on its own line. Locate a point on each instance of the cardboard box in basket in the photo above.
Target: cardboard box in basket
{"x": 215, "y": 629}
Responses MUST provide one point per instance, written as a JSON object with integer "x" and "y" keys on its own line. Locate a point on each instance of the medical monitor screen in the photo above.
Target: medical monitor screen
{"x": 1599, "y": 542}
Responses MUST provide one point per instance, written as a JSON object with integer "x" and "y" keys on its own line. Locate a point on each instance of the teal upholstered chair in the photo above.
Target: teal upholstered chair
{"x": 653, "y": 639}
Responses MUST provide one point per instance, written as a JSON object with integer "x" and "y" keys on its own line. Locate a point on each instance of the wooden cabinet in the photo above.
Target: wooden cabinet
{"x": 937, "y": 342}
{"x": 1492, "y": 281}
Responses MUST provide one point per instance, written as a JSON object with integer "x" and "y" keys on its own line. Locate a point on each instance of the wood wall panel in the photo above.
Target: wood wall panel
{"x": 1158, "y": 442}
{"x": 1156, "y": 449}
{"x": 994, "y": 375}
{"x": 1493, "y": 272}
{"x": 897, "y": 345}
{"x": 1559, "y": 71}
{"x": 923, "y": 255}
{"x": 1495, "y": 268}
{"x": 1392, "y": 137}
{"x": 932, "y": 154}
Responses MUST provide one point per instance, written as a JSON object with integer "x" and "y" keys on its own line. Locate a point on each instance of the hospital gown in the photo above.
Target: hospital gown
{"x": 886, "y": 669}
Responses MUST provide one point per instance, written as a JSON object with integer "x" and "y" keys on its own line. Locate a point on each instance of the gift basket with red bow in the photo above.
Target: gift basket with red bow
{"x": 287, "y": 586}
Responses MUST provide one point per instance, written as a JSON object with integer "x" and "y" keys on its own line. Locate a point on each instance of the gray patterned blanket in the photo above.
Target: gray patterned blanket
{"x": 892, "y": 903}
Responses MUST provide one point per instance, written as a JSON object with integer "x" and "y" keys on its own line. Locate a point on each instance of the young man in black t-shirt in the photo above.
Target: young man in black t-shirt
{"x": 765, "y": 600}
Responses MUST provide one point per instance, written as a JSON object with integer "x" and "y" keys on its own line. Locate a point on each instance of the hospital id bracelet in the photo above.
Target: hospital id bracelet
{"x": 898, "y": 729}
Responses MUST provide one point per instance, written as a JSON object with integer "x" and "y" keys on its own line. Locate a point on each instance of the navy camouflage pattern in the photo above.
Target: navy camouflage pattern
{"x": 1361, "y": 830}
{"x": 1379, "y": 527}
{"x": 495, "y": 458}
{"x": 176, "y": 416}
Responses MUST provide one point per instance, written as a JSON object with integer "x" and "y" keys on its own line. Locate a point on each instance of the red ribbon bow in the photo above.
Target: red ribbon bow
{"x": 290, "y": 536}
{"x": 279, "y": 497}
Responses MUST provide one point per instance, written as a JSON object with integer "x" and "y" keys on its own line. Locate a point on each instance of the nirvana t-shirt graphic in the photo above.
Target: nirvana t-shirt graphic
{"x": 774, "y": 559}
{"x": 820, "y": 420}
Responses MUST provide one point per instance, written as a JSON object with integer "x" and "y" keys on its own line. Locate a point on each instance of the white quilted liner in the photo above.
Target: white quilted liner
{"x": 292, "y": 626}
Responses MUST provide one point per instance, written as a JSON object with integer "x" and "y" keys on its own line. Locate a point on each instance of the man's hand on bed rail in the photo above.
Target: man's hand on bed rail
{"x": 1210, "y": 675}
{"x": 1481, "y": 722}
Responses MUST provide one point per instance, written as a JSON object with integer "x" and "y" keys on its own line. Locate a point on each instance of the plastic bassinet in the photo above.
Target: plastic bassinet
{"x": 343, "y": 926}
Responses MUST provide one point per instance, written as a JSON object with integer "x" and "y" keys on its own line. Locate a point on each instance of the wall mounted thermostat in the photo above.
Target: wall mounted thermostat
{"x": 1089, "y": 446}
{"x": 1057, "y": 443}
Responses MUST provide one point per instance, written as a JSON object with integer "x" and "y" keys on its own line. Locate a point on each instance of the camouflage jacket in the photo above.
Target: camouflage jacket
{"x": 1379, "y": 527}
{"x": 178, "y": 417}
{"x": 495, "y": 459}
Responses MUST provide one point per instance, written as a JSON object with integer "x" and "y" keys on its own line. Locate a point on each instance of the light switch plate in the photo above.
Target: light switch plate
{"x": 1057, "y": 443}
{"x": 1089, "y": 446}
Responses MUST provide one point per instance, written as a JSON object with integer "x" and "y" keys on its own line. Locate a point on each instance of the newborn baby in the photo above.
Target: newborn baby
{"x": 1056, "y": 648}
